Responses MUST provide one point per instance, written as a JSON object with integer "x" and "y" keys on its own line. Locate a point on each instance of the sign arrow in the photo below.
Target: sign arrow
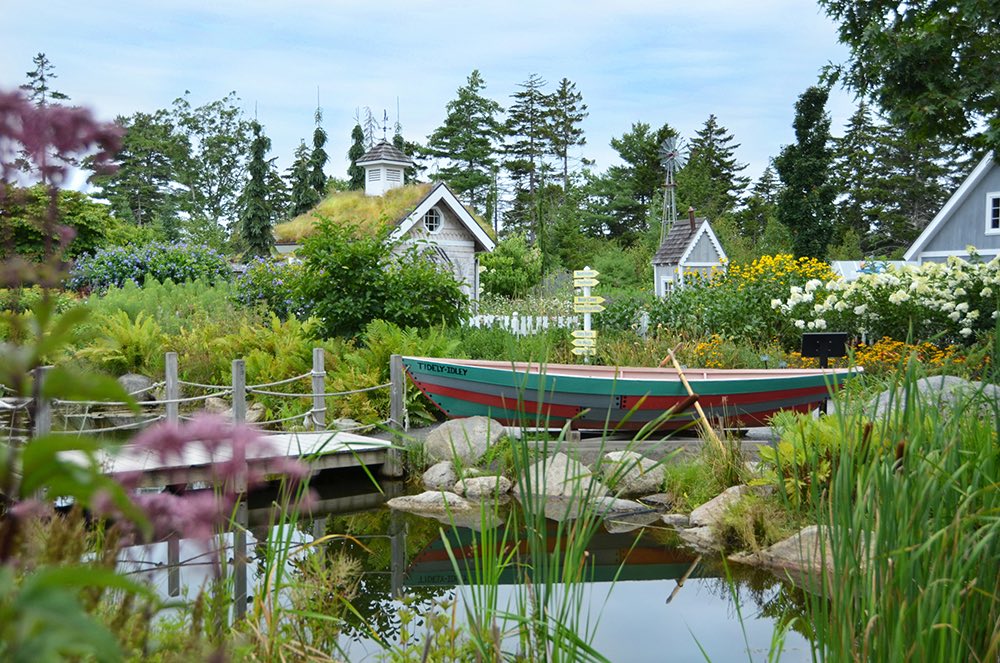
{"x": 584, "y": 351}
{"x": 585, "y": 342}
{"x": 584, "y": 283}
{"x": 587, "y": 308}
{"x": 589, "y": 299}
{"x": 584, "y": 333}
{"x": 585, "y": 274}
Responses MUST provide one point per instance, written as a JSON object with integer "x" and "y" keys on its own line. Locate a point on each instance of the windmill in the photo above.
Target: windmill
{"x": 672, "y": 159}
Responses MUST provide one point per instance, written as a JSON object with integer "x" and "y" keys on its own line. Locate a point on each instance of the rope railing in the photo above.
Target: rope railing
{"x": 128, "y": 426}
{"x": 189, "y": 399}
{"x": 285, "y": 381}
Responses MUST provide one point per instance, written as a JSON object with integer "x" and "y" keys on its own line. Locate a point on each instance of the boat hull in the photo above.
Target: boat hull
{"x": 607, "y": 398}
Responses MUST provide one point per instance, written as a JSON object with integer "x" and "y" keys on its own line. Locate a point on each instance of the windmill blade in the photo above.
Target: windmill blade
{"x": 671, "y": 153}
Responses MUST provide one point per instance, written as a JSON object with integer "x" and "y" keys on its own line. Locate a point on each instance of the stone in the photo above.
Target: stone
{"x": 613, "y": 506}
{"x": 711, "y": 511}
{"x": 936, "y": 391}
{"x": 662, "y": 501}
{"x": 138, "y": 386}
{"x": 255, "y": 413}
{"x": 701, "y": 539}
{"x": 800, "y": 555}
{"x": 628, "y": 473}
{"x": 349, "y": 425}
{"x": 215, "y": 405}
{"x": 560, "y": 475}
{"x": 440, "y": 476}
{"x": 465, "y": 440}
{"x": 628, "y": 522}
{"x": 477, "y": 488}
{"x": 676, "y": 520}
{"x": 431, "y": 501}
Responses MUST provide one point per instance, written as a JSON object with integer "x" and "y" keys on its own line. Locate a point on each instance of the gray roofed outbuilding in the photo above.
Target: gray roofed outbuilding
{"x": 677, "y": 241}
{"x": 384, "y": 151}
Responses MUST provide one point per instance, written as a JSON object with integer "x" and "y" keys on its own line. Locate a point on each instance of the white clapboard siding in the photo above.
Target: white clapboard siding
{"x": 525, "y": 325}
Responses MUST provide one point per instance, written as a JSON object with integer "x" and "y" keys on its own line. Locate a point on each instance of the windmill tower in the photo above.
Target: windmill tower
{"x": 672, "y": 159}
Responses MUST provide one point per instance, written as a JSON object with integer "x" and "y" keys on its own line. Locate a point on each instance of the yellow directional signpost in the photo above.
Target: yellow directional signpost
{"x": 585, "y": 340}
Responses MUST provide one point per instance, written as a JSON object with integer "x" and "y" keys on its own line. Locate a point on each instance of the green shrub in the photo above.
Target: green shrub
{"x": 177, "y": 262}
{"x": 23, "y": 213}
{"x": 276, "y": 285}
{"x": 351, "y": 278}
{"x": 126, "y": 345}
{"x": 512, "y": 269}
{"x": 754, "y": 522}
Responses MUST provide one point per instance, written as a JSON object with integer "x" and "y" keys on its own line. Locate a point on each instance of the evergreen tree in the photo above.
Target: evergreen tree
{"x": 467, "y": 141}
{"x": 39, "y": 85}
{"x": 567, "y": 112}
{"x": 411, "y": 150}
{"x": 805, "y": 204}
{"x": 855, "y": 174}
{"x": 527, "y": 131}
{"x": 761, "y": 208}
{"x": 255, "y": 208}
{"x": 303, "y": 196}
{"x": 318, "y": 158}
{"x": 355, "y": 173}
{"x": 711, "y": 180}
{"x": 627, "y": 196}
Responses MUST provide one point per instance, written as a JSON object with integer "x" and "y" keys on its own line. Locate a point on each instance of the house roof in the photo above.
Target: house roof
{"x": 949, "y": 208}
{"x": 382, "y": 152}
{"x": 397, "y": 208}
{"x": 681, "y": 239}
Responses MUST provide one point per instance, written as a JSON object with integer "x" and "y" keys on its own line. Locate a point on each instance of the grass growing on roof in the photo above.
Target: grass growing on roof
{"x": 369, "y": 213}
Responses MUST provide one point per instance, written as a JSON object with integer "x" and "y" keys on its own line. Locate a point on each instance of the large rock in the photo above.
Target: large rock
{"x": 465, "y": 440}
{"x": 800, "y": 556}
{"x": 711, "y": 511}
{"x": 138, "y": 386}
{"x": 477, "y": 488}
{"x": 628, "y": 473}
{"x": 936, "y": 391}
{"x": 215, "y": 405}
{"x": 623, "y": 515}
{"x": 440, "y": 476}
{"x": 430, "y": 502}
{"x": 701, "y": 539}
{"x": 561, "y": 476}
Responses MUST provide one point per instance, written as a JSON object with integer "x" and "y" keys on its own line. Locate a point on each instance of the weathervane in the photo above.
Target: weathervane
{"x": 385, "y": 124}
{"x": 672, "y": 159}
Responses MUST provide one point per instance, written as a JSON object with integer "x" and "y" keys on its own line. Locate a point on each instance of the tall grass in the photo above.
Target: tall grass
{"x": 912, "y": 526}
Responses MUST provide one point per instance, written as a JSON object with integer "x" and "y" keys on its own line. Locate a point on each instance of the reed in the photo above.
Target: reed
{"x": 913, "y": 535}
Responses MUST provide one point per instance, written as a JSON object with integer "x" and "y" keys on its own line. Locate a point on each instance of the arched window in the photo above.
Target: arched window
{"x": 432, "y": 220}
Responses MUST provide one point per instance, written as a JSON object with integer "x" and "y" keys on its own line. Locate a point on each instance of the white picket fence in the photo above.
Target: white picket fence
{"x": 525, "y": 325}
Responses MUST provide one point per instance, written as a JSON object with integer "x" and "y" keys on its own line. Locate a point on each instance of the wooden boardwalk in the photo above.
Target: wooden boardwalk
{"x": 319, "y": 451}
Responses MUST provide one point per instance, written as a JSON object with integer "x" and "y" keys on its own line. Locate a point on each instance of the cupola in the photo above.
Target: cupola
{"x": 384, "y": 168}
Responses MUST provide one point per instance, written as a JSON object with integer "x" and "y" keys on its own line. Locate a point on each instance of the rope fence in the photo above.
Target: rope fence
{"x": 93, "y": 411}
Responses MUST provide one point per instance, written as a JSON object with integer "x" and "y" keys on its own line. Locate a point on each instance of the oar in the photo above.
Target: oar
{"x": 680, "y": 583}
{"x": 697, "y": 406}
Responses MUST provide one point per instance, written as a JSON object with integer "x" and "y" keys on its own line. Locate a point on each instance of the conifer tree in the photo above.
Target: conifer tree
{"x": 466, "y": 141}
{"x": 711, "y": 180}
{"x": 39, "y": 86}
{"x": 303, "y": 196}
{"x": 567, "y": 112}
{"x": 318, "y": 158}
{"x": 256, "y": 212}
{"x": 528, "y": 133}
{"x": 855, "y": 173}
{"x": 760, "y": 209}
{"x": 411, "y": 150}
{"x": 355, "y": 173}
{"x": 805, "y": 204}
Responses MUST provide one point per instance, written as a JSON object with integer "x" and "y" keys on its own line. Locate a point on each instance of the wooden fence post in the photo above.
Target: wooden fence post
{"x": 318, "y": 389}
{"x": 173, "y": 390}
{"x": 43, "y": 407}
{"x": 241, "y": 522}
{"x": 173, "y": 565}
{"x": 393, "y": 466}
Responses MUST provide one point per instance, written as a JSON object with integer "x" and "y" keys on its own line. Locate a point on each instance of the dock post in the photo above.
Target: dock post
{"x": 318, "y": 389}
{"x": 43, "y": 407}
{"x": 393, "y": 466}
{"x": 173, "y": 565}
{"x": 173, "y": 388}
{"x": 397, "y": 553}
{"x": 241, "y": 522}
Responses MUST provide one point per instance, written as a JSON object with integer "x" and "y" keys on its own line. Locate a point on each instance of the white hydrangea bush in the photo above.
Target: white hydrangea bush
{"x": 951, "y": 302}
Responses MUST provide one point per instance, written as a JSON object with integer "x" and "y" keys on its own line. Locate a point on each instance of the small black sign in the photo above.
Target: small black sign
{"x": 824, "y": 344}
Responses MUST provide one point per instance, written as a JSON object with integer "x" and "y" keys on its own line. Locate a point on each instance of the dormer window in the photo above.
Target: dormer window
{"x": 432, "y": 220}
{"x": 993, "y": 213}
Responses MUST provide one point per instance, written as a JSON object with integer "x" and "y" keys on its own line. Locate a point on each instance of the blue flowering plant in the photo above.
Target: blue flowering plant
{"x": 274, "y": 285}
{"x": 178, "y": 262}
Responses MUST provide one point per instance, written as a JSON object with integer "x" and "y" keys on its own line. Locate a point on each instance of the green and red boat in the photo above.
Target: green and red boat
{"x": 616, "y": 398}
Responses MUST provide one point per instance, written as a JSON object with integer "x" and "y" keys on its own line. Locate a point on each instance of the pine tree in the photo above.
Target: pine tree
{"x": 355, "y": 173}
{"x": 467, "y": 141}
{"x": 39, "y": 87}
{"x": 318, "y": 158}
{"x": 303, "y": 196}
{"x": 411, "y": 150}
{"x": 567, "y": 111}
{"x": 711, "y": 180}
{"x": 255, "y": 209}
{"x": 805, "y": 205}
{"x": 855, "y": 173}
{"x": 528, "y": 131}
{"x": 760, "y": 208}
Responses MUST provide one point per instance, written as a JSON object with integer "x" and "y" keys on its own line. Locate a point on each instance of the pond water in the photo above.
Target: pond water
{"x": 631, "y": 574}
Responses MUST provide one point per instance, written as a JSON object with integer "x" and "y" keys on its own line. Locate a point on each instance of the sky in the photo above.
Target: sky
{"x": 655, "y": 61}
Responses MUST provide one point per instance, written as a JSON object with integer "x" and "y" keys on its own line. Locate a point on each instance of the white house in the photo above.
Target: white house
{"x": 426, "y": 215}
{"x": 971, "y": 217}
{"x": 690, "y": 246}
